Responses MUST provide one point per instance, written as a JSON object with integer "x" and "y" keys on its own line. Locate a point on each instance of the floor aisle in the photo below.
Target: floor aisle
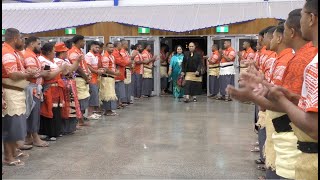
{"x": 155, "y": 138}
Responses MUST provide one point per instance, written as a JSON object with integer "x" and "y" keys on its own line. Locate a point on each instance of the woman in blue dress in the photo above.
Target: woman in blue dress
{"x": 175, "y": 70}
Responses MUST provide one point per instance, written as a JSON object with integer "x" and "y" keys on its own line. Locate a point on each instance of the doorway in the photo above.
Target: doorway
{"x": 236, "y": 44}
{"x": 201, "y": 43}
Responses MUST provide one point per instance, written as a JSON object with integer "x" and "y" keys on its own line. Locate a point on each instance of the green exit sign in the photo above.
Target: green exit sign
{"x": 70, "y": 31}
{"x": 3, "y": 31}
{"x": 142, "y": 30}
{"x": 222, "y": 29}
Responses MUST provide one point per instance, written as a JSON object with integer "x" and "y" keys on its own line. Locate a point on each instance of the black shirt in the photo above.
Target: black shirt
{"x": 192, "y": 63}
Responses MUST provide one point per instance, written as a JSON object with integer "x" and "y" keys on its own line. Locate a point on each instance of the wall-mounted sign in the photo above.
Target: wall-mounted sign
{"x": 142, "y": 30}
{"x": 222, "y": 29}
{"x": 70, "y": 31}
{"x": 3, "y": 31}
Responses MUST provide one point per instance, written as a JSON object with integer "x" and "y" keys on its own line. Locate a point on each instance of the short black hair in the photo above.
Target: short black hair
{"x": 77, "y": 38}
{"x": 47, "y": 48}
{"x": 68, "y": 43}
{"x": 100, "y": 44}
{"x": 265, "y": 30}
{"x": 293, "y": 20}
{"x": 31, "y": 39}
{"x": 280, "y": 29}
{"x": 271, "y": 30}
{"x": 109, "y": 43}
{"x": 10, "y": 34}
{"x": 250, "y": 42}
{"x": 95, "y": 43}
{"x": 281, "y": 22}
{"x": 312, "y": 6}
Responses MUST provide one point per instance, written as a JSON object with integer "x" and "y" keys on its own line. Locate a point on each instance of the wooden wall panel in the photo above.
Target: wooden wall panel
{"x": 108, "y": 29}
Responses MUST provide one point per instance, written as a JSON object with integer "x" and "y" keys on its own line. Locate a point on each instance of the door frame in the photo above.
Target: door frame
{"x": 210, "y": 43}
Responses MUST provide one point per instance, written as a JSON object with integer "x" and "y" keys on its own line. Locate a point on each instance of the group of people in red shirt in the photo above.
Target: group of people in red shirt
{"x": 47, "y": 89}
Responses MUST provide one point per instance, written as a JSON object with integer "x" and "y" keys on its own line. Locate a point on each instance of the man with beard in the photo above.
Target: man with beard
{"x": 107, "y": 92}
{"x": 14, "y": 82}
{"x": 32, "y": 63}
{"x": 148, "y": 64}
{"x": 247, "y": 55}
{"x": 82, "y": 75}
{"x": 138, "y": 71}
{"x": 121, "y": 64}
{"x": 128, "y": 73}
{"x": 92, "y": 61}
{"x": 213, "y": 64}
{"x": 227, "y": 70}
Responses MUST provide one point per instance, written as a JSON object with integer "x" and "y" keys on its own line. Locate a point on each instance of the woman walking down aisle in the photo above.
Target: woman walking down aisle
{"x": 175, "y": 71}
{"x": 191, "y": 69}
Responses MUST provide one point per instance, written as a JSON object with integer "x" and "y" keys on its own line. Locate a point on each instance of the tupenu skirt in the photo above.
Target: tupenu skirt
{"x": 147, "y": 86}
{"x": 33, "y": 121}
{"x": 193, "y": 88}
{"x": 14, "y": 128}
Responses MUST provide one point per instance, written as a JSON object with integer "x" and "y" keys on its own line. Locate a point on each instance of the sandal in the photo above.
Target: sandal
{"x": 14, "y": 163}
{"x": 44, "y": 144}
{"x": 22, "y": 155}
{"x": 255, "y": 149}
{"x": 261, "y": 168}
{"x": 220, "y": 98}
{"x": 93, "y": 117}
{"x": 259, "y": 161}
{"x": 51, "y": 139}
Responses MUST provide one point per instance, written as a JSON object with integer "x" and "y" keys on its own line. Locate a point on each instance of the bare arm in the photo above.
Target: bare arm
{"x": 19, "y": 75}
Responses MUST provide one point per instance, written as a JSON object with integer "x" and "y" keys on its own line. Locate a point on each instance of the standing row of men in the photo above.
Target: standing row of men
{"x": 283, "y": 82}
{"x": 47, "y": 90}
{"x": 221, "y": 68}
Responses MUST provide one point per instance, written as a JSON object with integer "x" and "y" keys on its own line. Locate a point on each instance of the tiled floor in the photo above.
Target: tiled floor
{"x": 156, "y": 138}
